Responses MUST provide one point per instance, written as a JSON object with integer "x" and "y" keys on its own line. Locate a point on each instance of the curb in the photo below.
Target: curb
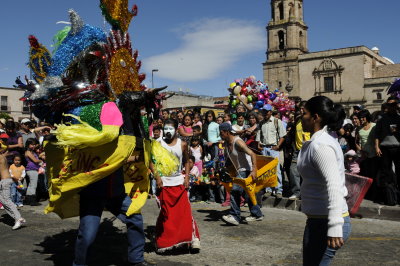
{"x": 366, "y": 210}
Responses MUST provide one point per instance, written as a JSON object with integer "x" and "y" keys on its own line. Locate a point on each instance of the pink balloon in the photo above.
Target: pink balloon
{"x": 261, "y": 97}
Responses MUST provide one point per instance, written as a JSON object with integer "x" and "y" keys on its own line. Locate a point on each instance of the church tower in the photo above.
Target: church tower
{"x": 287, "y": 39}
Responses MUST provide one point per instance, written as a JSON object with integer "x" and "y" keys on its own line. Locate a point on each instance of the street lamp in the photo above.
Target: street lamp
{"x": 152, "y": 77}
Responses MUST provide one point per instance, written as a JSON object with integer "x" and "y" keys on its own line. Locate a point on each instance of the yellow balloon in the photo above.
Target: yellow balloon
{"x": 233, "y": 84}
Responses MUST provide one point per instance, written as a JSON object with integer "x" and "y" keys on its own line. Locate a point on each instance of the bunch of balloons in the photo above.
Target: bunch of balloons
{"x": 256, "y": 94}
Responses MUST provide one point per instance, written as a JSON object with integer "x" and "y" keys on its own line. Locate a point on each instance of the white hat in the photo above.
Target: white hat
{"x": 351, "y": 153}
{"x": 25, "y": 120}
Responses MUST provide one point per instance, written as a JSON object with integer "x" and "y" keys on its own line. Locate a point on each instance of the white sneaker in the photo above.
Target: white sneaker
{"x": 196, "y": 244}
{"x": 253, "y": 218}
{"x": 20, "y": 205}
{"x": 230, "y": 219}
{"x": 18, "y": 223}
{"x": 293, "y": 197}
{"x": 2, "y": 208}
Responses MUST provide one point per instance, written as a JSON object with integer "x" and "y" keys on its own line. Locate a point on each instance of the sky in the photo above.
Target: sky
{"x": 200, "y": 46}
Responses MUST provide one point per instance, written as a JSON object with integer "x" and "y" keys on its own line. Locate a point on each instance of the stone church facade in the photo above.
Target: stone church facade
{"x": 352, "y": 75}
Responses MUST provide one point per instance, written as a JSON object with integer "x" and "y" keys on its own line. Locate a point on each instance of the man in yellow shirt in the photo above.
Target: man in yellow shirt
{"x": 300, "y": 138}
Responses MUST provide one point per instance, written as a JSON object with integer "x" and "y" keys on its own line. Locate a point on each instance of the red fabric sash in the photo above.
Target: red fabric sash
{"x": 175, "y": 224}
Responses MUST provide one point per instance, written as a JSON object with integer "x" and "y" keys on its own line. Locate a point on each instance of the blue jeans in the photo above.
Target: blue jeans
{"x": 315, "y": 249}
{"x": 236, "y": 192}
{"x": 90, "y": 216}
{"x": 294, "y": 177}
{"x": 275, "y": 154}
{"x": 16, "y": 195}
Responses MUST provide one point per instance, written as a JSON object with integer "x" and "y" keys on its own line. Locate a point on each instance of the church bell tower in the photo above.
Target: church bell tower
{"x": 287, "y": 39}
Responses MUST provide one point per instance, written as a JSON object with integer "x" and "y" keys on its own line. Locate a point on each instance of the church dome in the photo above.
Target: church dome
{"x": 390, "y": 60}
{"x": 375, "y": 49}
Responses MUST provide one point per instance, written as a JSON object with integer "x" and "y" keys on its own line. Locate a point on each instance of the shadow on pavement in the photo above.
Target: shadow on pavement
{"x": 6, "y": 219}
{"x": 213, "y": 215}
{"x": 109, "y": 248}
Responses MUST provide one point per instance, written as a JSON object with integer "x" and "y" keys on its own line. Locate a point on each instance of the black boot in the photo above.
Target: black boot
{"x": 31, "y": 200}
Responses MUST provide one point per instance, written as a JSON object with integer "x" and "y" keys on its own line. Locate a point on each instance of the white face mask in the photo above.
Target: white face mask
{"x": 169, "y": 131}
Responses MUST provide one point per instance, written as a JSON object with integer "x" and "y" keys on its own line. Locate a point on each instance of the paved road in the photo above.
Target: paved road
{"x": 47, "y": 240}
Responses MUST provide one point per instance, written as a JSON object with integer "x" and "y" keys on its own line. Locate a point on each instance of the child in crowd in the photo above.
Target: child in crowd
{"x": 17, "y": 172}
{"x": 196, "y": 151}
{"x": 5, "y": 194}
{"x": 351, "y": 162}
{"x": 197, "y": 120}
{"x": 32, "y": 170}
{"x": 227, "y": 118}
{"x": 196, "y": 130}
{"x": 156, "y": 132}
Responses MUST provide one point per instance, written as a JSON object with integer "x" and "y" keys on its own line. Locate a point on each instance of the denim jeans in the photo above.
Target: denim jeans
{"x": 315, "y": 249}
{"x": 236, "y": 192}
{"x": 294, "y": 177}
{"x": 275, "y": 154}
{"x": 16, "y": 195}
{"x": 90, "y": 216}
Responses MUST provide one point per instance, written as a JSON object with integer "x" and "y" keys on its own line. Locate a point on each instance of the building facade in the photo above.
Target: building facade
{"x": 352, "y": 75}
{"x": 11, "y": 105}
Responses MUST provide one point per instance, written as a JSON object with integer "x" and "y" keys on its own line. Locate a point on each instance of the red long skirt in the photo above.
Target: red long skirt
{"x": 175, "y": 224}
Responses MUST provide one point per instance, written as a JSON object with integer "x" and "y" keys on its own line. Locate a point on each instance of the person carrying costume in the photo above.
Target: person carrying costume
{"x": 175, "y": 224}
{"x": 244, "y": 163}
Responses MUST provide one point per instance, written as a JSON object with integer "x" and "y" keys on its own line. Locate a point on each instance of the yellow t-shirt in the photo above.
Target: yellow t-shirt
{"x": 17, "y": 171}
{"x": 301, "y": 136}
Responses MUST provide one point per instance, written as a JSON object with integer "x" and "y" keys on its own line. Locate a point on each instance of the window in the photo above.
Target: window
{"x": 25, "y": 107}
{"x": 280, "y": 84}
{"x": 328, "y": 84}
{"x": 281, "y": 14}
{"x": 379, "y": 96}
{"x": 4, "y": 103}
{"x": 281, "y": 37}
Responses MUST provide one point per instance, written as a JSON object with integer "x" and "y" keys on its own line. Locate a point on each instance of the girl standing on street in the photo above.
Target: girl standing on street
{"x": 32, "y": 168}
{"x": 323, "y": 191}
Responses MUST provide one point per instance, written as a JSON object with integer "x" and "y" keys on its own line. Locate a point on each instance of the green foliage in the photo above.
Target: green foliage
{"x": 4, "y": 115}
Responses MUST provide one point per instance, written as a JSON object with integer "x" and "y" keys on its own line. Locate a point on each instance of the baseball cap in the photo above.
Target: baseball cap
{"x": 267, "y": 107}
{"x": 25, "y": 120}
{"x": 226, "y": 127}
{"x": 358, "y": 107}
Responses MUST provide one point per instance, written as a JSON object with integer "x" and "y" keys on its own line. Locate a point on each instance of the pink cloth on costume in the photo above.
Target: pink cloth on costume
{"x": 110, "y": 115}
{"x": 187, "y": 129}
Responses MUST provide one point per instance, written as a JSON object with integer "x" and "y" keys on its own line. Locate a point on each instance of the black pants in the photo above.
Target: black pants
{"x": 389, "y": 180}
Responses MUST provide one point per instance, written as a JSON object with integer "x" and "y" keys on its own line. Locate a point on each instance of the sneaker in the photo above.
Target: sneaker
{"x": 1, "y": 208}
{"x": 18, "y": 223}
{"x": 253, "y": 218}
{"x": 229, "y": 219}
{"x": 278, "y": 195}
{"x": 20, "y": 205}
{"x": 267, "y": 195}
{"x": 293, "y": 197}
{"x": 196, "y": 244}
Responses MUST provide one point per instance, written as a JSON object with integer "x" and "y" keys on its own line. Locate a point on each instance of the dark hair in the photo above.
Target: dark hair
{"x": 209, "y": 112}
{"x": 31, "y": 141}
{"x": 348, "y": 127}
{"x": 10, "y": 125}
{"x": 156, "y": 128}
{"x": 196, "y": 138}
{"x": 364, "y": 113}
{"x": 241, "y": 114}
{"x": 187, "y": 115}
{"x": 170, "y": 121}
{"x": 383, "y": 106}
{"x": 252, "y": 114}
{"x": 165, "y": 110}
{"x": 17, "y": 156}
{"x": 190, "y": 157}
{"x": 196, "y": 127}
{"x": 332, "y": 114}
{"x": 391, "y": 98}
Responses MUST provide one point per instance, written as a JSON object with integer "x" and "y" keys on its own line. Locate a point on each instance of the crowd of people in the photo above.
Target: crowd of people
{"x": 367, "y": 141}
{"x": 25, "y": 160}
